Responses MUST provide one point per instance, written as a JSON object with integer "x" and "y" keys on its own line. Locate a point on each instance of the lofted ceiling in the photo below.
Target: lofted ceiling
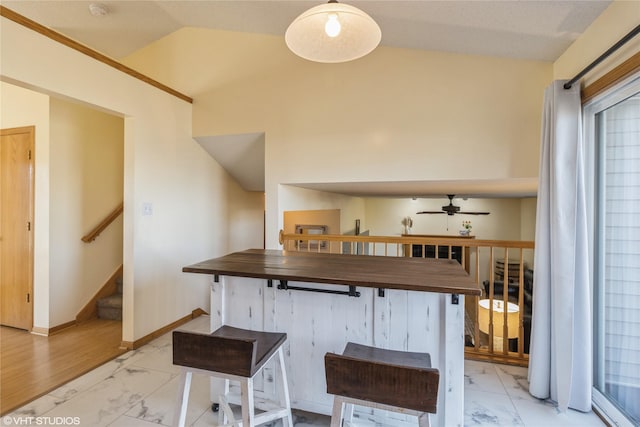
{"x": 522, "y": 29}
{"x": 526, "y": 29}
{"x": 242, "y": 156}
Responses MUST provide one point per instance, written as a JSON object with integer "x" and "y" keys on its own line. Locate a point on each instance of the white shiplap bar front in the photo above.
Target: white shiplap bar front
{"x": 317, "y": 323}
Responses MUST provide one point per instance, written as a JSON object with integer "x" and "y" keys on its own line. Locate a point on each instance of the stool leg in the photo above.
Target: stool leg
{"x": 228, "y": 419}
{"x": 246, "y": 389}
{"x": 336, "y": 415}
{"x": 179, "y": 418}
{"x": 348, "y": 412}
{"x": 285, "y": 388}
{"x": 423, "y": 420}
{"x": 223, "y": 415}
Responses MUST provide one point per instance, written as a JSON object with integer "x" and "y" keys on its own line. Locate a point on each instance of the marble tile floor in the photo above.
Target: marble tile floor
{"x": 138, "y": 389}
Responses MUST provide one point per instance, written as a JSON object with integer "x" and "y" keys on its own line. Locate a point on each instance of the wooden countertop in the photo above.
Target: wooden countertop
{"x": 412, "y": 274}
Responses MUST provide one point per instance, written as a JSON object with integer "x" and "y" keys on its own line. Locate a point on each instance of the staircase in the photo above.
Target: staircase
{"x": 111, "y": 307}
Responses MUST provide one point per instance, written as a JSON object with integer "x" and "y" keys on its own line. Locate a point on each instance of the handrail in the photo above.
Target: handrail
{"x": 91, "y": 236}
{"x": 508, "y": 255}
{"x": 441, "y": 241}
{"x": 72, "y": 44}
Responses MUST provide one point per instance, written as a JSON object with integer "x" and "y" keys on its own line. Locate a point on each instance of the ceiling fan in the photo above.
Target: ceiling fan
{"x": 451, "y": 209}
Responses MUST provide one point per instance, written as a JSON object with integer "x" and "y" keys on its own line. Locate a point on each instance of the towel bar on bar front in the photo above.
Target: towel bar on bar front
{"x": 352, "y": 292}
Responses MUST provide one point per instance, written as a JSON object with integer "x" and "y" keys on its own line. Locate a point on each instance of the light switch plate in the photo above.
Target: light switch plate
{"x": 147, "y": 209}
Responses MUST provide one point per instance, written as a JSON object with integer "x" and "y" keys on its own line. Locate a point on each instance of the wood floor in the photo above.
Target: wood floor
{"x": 32, "y": 365}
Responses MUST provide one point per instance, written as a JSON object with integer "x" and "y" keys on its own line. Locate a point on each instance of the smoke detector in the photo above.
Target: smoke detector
{"x": 98, "y": 9}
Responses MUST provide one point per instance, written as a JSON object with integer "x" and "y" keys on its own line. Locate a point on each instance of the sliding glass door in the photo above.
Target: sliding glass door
{"x": 612, "y": 131}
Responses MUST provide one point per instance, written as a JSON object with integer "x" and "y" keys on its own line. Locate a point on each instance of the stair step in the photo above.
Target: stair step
{"x": 119, "y": 284}
{"x": 110, "y": 307}
{"x": 109, "y": 313}
{"x": 112, "y": 301}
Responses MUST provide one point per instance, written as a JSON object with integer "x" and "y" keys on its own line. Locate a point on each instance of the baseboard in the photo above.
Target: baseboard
{"x": 36, "y": 330}
{"x": 132, "y": 345}
{"x": 90, "y": 310}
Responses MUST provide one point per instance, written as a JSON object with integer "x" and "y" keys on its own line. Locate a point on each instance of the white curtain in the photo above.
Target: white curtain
{"x": 560, "y": 359}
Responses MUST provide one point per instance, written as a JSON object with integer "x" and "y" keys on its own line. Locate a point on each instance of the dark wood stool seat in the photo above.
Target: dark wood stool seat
{"x": 386, "y": 379}
{"x": 228, "y": 350}
{"x": 232, "y": 354}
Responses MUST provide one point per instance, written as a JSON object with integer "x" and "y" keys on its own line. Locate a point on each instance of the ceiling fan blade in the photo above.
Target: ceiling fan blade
{"x": 474, "y": 213}
{"x": 430, "y": 212}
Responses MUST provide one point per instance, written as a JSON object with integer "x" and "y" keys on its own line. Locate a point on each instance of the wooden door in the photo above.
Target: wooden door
{"x": 16, "y": 227}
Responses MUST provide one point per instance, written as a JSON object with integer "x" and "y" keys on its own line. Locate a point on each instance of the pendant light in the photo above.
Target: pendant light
{"x": 333, "y": 32}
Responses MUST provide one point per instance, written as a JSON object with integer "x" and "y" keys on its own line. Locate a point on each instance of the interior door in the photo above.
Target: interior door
{"x": 16, "y": 227}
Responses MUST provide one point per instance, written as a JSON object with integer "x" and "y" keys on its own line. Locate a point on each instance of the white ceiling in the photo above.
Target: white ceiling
{"x": 529, "y": 29}
{"x": 242, "y": 156}
{"x": 486, "y": 188}
{"x": 525, "y": 29}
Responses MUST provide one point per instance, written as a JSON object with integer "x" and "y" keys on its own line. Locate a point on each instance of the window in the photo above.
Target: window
{"x": 612, "y": 136}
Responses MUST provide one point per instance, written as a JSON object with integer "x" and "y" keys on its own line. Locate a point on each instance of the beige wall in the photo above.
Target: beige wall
{"x": 613, "y": 24}
{"x": 394, "y": 115}
{"x": 86, "y": 177}
{"x": 504, "y": 222}
{"x": 528, "y": 209}
{"x": 245, "y": 218}
{"x": 22, "y": 107}
{"x": 301, "y": 199}
{"x": 327, "y": 217}
{"x": 163, "y": 166}
{"x": 509, "y": 218}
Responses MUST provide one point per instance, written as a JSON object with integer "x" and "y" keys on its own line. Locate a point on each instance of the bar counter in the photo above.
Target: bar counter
{"x": 397, "y": 303}
{"x": 409, "y": 274}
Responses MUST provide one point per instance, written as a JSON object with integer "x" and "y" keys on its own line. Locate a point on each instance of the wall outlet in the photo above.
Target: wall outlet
{"x": 147, "y": 209}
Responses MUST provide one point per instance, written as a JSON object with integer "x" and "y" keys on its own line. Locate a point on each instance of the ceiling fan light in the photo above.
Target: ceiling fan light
{"x": 310, "y": 34}
{"x": 452, "y": 209}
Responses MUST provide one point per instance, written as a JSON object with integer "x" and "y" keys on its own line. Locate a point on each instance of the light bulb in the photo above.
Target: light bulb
{"x": 332, "y": 27}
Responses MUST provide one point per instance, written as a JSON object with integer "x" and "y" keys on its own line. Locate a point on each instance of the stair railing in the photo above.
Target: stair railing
{"x": 497, "y": 266}
{"x": 91, "y": 236}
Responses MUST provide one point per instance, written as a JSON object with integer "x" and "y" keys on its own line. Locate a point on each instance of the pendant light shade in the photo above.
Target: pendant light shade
{"x": 333, "y": 32}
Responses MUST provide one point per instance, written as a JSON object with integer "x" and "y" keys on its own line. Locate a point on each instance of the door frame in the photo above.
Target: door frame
{"x": 30, "y": 130}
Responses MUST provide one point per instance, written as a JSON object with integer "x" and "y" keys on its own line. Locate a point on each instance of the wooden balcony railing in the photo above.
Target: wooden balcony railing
{"x": 491, "y": 263}
{"x": 91, "y": 236}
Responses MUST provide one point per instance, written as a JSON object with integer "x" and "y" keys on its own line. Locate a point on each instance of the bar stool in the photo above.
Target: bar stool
{"x": 235, "y": 355}
{"x": 383, "y": 379}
